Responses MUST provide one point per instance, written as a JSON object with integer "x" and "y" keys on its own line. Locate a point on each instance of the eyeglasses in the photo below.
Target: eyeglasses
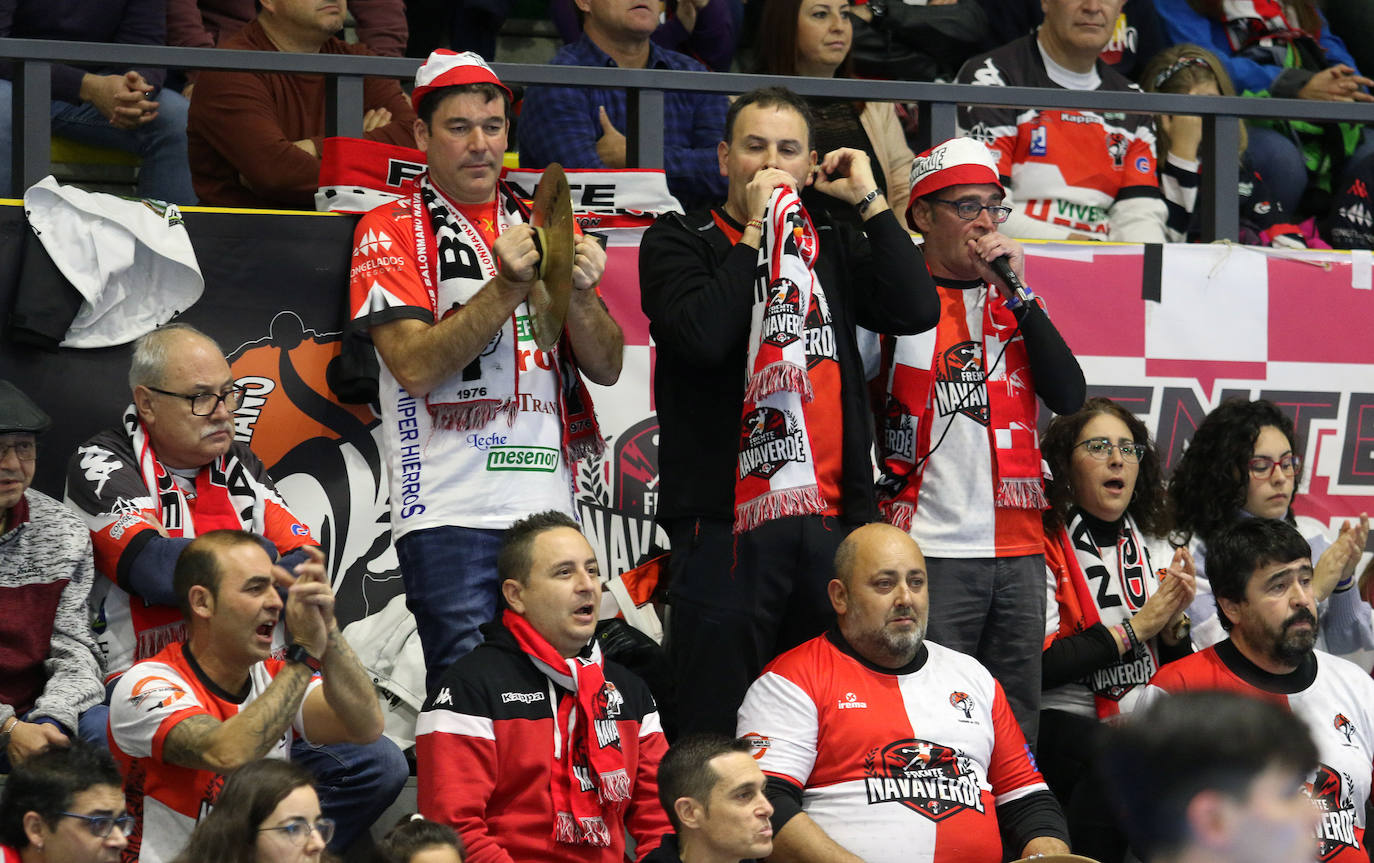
{"x": 969, "y": 210}
{"x": 204, "y": 404}
{"x": 298, "y": 829}
{"x": 103, "y": 825}
{"x": 24, "y": 450}
{"x": 1262, "y": 466}
{"x": 1101, "y": 449}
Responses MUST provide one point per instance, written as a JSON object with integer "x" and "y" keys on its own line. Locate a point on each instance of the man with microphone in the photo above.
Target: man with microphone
{"x": 961, "y": 456}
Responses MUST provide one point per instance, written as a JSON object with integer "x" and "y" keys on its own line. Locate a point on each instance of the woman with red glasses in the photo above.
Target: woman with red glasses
{"x": 1245, "y": 461}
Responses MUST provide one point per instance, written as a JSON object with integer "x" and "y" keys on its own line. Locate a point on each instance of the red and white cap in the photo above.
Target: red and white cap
{"x": 956, "y": 162}
{"x": 446, "y": 68}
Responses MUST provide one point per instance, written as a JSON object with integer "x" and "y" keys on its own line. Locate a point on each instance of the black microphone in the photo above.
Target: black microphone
{"x": 1002, "y": 267}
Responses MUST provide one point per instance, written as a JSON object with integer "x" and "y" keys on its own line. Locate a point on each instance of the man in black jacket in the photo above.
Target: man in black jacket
{"x": 743, "y": 594}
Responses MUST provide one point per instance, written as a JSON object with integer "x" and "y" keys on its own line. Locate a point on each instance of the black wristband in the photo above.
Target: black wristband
{"x": 867, "y": 201}
{"x": 298, "y": 653}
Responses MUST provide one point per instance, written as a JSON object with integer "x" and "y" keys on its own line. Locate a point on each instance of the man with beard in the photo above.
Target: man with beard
{"x": 1261, "y": 574}
{"x": 933, "y": 768}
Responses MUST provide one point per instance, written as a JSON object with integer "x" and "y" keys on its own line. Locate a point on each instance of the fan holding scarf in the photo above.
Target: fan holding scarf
{"x": 764, "y": 446}
{"x": 1112, "y": 619}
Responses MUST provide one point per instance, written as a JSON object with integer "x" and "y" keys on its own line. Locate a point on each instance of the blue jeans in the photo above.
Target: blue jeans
{"x": 356, "y": 783}
{"x": 451, "y": 588}
{"x": 161, "y": 143}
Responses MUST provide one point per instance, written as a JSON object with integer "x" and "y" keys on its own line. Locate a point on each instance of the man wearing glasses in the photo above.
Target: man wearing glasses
{"x": 50, "y": 688}
{"x": 961, "y": 456}
{"x": 64, "y": 805}
{"x": 207, "y": 706}
{"x": 170, "y": 473}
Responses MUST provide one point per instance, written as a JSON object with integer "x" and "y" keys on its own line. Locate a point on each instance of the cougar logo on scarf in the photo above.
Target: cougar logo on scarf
{"x": 782, "y": 322}
{"x": 769, "y": 439}
{"x": 960, "y": 384}
{"x": 609, "y": 703}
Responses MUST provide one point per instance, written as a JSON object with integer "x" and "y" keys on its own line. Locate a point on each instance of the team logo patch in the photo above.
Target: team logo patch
{"x": 1039, "y": 141}
{"x": 960, "y": 384}
{"x": 1116, "y": 146}
{"x": 608, "y": 705}
{"x": 782, "y": 320}
{"x": 934, "y": 780}
{"x": 1331, "y": 794}
{"x": 1142, "y": 165}
{"x": 1344, "y": 726}
{"x": 758, "y": 743}
{"x": 963, "y": 702}
{"x": 151, "y": 693}
{"x": 769, "y": 439}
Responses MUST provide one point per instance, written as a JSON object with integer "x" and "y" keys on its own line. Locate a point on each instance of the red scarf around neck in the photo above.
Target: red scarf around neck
{"x": 588, "y": 777}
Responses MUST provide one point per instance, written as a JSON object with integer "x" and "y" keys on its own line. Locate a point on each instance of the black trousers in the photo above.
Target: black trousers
{"x": 735, "y": 602}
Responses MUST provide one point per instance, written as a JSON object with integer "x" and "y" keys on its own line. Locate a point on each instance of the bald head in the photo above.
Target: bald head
{"x": 879, "y": 594}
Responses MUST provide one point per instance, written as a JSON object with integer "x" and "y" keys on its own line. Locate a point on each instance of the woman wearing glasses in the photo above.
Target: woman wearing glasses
{"x": 1112, "y": 617}
{"x": 1244, "y": 460}
{"x": 64, "y": 806}
{"x": 267, "y": 812}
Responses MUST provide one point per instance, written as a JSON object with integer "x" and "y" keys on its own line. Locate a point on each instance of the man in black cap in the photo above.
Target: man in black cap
{"x": 50, "y": 685}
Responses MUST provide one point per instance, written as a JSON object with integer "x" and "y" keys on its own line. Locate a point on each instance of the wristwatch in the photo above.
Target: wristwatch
{"x": 298, "y": 653}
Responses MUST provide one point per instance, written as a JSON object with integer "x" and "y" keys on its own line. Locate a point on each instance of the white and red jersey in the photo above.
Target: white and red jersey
{"x": 957, "y": 515}
{"x": 1067, "y": 172}
{"x": 166, "y": 799}
{"x": 893, "y": 765}
{"x": 1334, "y": 698}
{"x": 482, "y": 478}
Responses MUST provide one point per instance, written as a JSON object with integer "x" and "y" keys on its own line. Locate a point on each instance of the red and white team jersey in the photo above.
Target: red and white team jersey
{"x": 483, "y": 478}
{"x": 167, "y": 800}
{"x": 893, "y": 766}
{"x": 1335, "y": 699}
{"x": 956, "y": 511}
{"x": 1067, "y": 172}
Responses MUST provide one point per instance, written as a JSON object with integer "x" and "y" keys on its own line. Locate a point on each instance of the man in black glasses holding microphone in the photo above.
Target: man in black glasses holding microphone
{"x": 961, "y": 456}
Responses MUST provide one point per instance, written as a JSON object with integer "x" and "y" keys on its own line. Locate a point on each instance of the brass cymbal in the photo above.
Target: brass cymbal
{"x": 552, "y": 219}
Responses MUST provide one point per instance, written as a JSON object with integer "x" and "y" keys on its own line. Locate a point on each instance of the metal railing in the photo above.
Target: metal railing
{"x": 1218, "y": 196}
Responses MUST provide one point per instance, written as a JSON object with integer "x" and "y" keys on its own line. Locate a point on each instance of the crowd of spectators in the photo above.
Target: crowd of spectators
{"x": 255, "y": 140}
{"x": 938, "y": 685}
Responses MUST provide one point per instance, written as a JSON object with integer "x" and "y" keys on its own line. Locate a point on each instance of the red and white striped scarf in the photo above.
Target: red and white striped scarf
{"x": 490, "y": 386}
{"x": 791, "y": 416}
{"x": 589, "y": 776}
{"x": 1257, "y": 22}
{"x": 910, "y": 373}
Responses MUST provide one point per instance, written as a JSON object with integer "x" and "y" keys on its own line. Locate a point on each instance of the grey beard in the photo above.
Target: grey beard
{"x": 900, "y": 647}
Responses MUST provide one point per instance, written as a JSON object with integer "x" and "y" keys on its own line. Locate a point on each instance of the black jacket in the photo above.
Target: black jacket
{"x": 697, "y": 291}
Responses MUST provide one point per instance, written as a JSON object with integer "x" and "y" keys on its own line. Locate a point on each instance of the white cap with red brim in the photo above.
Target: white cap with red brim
{"x": 956, "y": 162}
{"x": 446, "y": 68}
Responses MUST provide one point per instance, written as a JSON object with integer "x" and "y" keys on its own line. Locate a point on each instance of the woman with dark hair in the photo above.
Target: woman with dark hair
{"x": 64, "y": 805}
{"x": 812, "y": 38}
{"x": 267, "y": 812}
{"x": 417, "y": 840}
{"x": 1112, "y": 619}
{"x": 1245, "y": 460}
